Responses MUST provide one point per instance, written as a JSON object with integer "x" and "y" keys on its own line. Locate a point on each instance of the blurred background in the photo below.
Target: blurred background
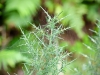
{"x": 82, "y": 16}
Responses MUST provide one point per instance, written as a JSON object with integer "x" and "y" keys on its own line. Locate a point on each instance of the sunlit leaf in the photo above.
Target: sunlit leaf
{"x": 10, "y": 58}
{"x": 19, "y": 12}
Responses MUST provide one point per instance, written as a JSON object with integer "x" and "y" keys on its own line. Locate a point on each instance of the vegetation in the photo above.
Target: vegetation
{"x": 46, "y": 56}
{"x": 16, "y": 16}
{"x": 94, "y": 66}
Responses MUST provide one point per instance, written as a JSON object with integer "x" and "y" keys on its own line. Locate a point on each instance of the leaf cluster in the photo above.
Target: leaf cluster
{"x": 43, "y": 50}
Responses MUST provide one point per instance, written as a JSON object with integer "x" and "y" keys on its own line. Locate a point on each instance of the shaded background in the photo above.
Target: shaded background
{"x": 82, "y": 15}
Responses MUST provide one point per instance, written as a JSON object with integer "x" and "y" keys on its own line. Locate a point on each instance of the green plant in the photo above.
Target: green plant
{"x": 17, "y": 12}
{"x": 93, "y": 65}
{"x": 80, "y": 14}
{"x": 77, "y": 10}
{"x": 14, "y": 13}
{"x": 42, "y": 48}
{"x": 94, "y": 62}
{"x": 9, "y": 58}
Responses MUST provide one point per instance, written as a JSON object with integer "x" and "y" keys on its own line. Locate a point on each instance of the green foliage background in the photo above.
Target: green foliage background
{"x": 20, "y": 13}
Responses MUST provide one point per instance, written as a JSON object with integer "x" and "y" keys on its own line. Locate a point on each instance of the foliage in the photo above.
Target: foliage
{"x": 46, "y": 57}
{"x": 92, "y": 67}
{"x": 10, "y": 58}
{"x": 20, "y": 15}
{"x": 14, "y": 13}
{"x": 76, "y": 9}
{"x": 17, "y": 12}
{"x": 94, "y": 63}
{"x": 0, "y": 8}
